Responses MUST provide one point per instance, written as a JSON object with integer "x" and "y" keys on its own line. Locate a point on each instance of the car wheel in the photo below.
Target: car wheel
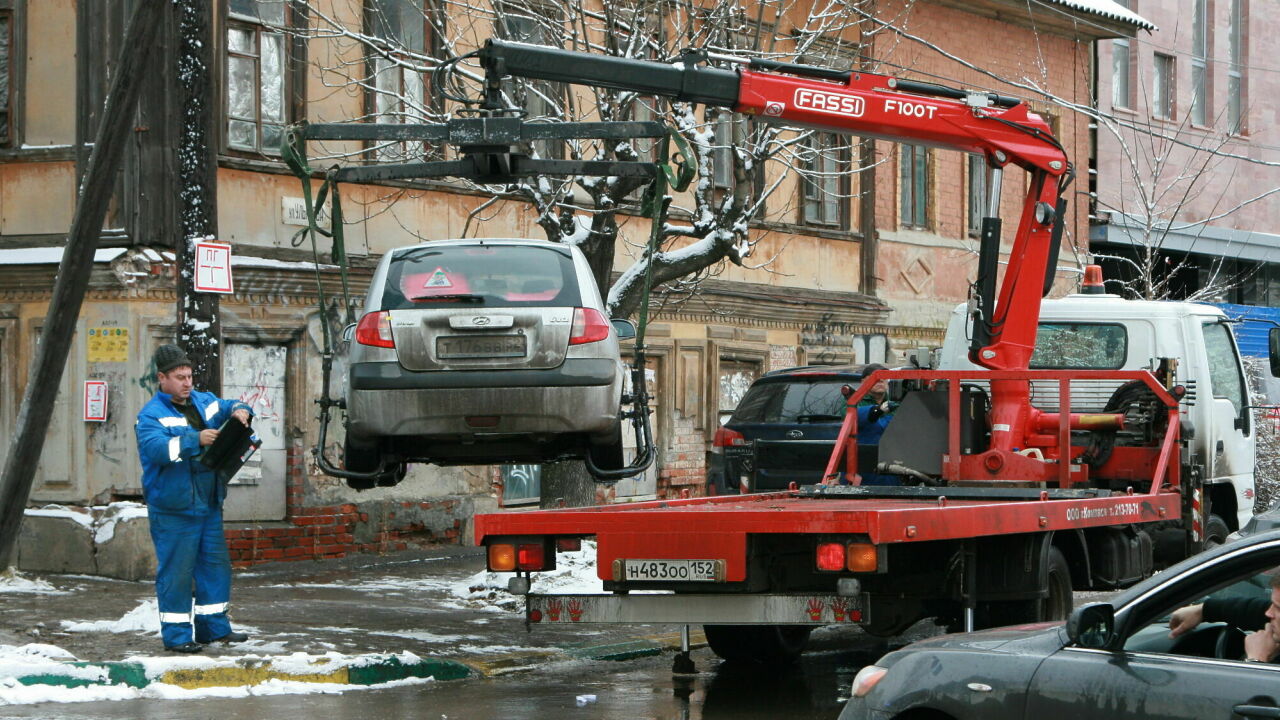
{"x": 765, "y": 644}
{"x": 1215, "y": 532}
{"x": 607, "y": 455}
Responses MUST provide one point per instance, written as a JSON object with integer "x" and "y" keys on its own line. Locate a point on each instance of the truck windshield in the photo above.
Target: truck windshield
{"x": 1080, "y": 346}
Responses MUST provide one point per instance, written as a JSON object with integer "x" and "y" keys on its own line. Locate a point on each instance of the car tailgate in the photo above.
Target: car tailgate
{"x": 533, "y": 338}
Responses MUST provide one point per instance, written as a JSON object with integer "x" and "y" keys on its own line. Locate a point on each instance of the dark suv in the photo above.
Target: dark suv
{"x": 783, "y": 430}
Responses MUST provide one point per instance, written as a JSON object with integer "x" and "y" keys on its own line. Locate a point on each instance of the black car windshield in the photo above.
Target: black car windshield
{"x": 792, "y": 402}
{"x": 492, "y": 276}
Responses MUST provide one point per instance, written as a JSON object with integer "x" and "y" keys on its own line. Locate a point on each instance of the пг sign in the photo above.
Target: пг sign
{"x": 213, "y": 268}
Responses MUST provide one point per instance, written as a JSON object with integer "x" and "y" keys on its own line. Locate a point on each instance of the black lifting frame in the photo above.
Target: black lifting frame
{"x": 489, "y": 149}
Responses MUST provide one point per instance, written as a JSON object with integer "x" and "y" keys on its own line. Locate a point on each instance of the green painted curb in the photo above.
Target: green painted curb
{"x": 393, "y": 669}
{"x": 118, "y": 673}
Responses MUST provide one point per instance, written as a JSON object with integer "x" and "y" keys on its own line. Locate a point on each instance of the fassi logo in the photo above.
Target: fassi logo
{"x": 829, "y": 102}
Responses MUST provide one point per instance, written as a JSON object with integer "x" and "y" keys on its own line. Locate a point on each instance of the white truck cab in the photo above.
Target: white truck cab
{"x": 1107, "y": 332}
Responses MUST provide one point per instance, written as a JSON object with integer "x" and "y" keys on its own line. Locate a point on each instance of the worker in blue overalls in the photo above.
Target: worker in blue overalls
{"x": 184, "y": 504}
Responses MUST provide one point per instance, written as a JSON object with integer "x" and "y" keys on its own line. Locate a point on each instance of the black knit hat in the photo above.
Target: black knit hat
{"x": 168, "y": 357}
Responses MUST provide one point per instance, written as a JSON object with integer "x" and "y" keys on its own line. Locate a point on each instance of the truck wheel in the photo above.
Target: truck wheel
{"x": 1215, "y": 532}
{"x": 1057, "y": 606}
{"x": 765, "y": 644}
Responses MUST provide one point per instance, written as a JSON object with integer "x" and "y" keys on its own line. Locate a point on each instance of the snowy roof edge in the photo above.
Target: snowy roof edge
{"x": 1108, "y": 9}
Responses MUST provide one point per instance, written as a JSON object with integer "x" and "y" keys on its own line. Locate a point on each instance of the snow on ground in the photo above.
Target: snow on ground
{"x": 143, "y": 618}
{"x": 12, "y": 581}
{"x": 575, "y": 574}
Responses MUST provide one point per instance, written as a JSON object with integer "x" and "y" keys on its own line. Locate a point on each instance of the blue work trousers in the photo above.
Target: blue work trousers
{"x": 192, "y": 562}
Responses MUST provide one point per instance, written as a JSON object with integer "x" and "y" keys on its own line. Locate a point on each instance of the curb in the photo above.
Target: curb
{"x": 220, "y": 672}
{"x": 195, "y": 673}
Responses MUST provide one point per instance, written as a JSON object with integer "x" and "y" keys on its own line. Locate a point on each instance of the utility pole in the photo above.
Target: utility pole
{"x": 73, "y": 274}
{"x": 199, "y": 327}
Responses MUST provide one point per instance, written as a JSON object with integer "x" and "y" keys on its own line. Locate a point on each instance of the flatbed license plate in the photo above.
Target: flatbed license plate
{"x": 671, "y": 570}
{"x": 480, "y": 346}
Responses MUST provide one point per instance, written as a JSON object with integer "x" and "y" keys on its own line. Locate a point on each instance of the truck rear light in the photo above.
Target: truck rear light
{"x": 375, "y": 330}
{"x": 588, "y": 326}
{"x": 568, "y": 544}
{"x": 502, "y": 557}
{"x": 725, "y": 437}
{"x": 831, "y": 556}
{"x": 862, "y": 557}
{"x": 531, "y": 556}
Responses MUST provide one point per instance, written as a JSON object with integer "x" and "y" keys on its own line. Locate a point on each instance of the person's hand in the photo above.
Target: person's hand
{"x": 242, "y": 415}
{"x": 1185, "y": 619}
{"x": 878, "y": 411}
{"x": 207, "y": 437}
{"x": 1260, "y": 646}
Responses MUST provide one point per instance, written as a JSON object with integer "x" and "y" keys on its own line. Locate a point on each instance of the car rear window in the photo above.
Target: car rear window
{"x": 792, "y": 402}
{"x": 481, "y": 276}
{"x": 1080, "y": 346}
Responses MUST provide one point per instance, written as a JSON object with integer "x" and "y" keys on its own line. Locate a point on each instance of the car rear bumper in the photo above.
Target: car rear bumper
{"x": 576, "y": 398}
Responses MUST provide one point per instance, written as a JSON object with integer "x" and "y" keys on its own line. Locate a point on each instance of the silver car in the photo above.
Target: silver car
{"x": 483, "y": 351}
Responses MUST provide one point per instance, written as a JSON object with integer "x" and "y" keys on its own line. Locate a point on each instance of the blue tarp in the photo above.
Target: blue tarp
{"x": 1251, "y": 335}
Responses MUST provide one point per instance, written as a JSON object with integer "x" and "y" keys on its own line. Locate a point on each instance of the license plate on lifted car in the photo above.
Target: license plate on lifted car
{"x": 673, "y": 570}
{"x": 480, "y": 346}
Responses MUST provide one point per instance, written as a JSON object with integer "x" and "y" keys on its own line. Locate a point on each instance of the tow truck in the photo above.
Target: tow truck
{"x": 1019, "y": 488}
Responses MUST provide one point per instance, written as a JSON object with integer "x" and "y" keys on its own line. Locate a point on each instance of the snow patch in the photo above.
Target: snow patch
{"x": 143, "y": 618}
{"x": 12, "y": 581}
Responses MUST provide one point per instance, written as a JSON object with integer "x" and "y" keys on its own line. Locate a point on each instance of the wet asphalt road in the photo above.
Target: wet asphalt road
{"x": 814, "y": 688}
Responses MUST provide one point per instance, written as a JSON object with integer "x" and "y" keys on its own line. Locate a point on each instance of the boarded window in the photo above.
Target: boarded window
{"x": 257, "y": 97}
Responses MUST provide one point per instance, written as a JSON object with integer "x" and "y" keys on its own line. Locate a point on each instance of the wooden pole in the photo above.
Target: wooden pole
{"x": 73, "y": 274}
{"x": 199, "y": 328}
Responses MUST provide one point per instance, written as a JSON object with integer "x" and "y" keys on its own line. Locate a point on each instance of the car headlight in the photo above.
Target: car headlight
{"x": 866, "y": 679}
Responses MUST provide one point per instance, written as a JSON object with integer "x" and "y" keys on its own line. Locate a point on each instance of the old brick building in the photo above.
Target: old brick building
{"x": 814, "y": 301}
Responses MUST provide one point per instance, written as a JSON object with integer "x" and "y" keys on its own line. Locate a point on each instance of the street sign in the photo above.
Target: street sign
{"x": 95, "y": 401}
{"x": 213, "y": 268}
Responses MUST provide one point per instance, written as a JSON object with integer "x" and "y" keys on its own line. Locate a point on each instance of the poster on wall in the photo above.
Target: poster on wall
{"x": 108, "y": 344}
{"x": 95, "y": 401}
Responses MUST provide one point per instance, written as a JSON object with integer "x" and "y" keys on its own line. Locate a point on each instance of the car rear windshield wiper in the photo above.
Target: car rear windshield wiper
{"x": 818, "y": 418}
{"x": 453, "y": 297}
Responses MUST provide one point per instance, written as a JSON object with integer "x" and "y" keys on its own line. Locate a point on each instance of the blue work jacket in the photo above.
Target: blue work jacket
{"x": 168, "y": 446}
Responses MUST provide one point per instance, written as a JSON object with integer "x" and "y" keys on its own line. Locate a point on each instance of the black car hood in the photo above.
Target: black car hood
{"x": 1034, "y": 639}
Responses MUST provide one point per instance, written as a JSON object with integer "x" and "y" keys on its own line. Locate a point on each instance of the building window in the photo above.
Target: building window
{"x": 257, "y": 84}
{"x": 404, "y": 37}
{"x": 1235, "y": 69}
{"x": 977, "y": 193}
{"x": 735, "y": 377}
{"x": 1122, "y": 68}
{"x": 1162, "y": 87}
{"x": 6, "y": 75}
{"x": 1200, "y": 32}
{"x": 542, "y": 100}
{"x": 825, "y": 179}
{"x": 913, "y": 182}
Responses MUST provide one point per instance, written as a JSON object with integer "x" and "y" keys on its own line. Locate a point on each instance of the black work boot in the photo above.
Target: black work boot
{"x": 231, "y": 637}
{"x": 190, "y": 646}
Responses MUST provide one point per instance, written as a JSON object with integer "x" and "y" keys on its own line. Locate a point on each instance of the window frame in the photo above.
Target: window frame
{"x": 913, "y": 211}
{"x": 1164, "y": 87}
{"x": 1237, "y": 37}
{"x": 833, "y": 190}
{"x": 398, "y": 112}
{"x": 1201, "y": 44}
{"x": 11, "y": 130}
{"x": 292, "y": 103}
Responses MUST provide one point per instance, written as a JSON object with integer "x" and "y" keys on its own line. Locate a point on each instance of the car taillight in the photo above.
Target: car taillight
{"x": 727, "y": 438}
{"x": 588, "y": 326}
{"x": 375, "y": 329}
{"x": 531, "y": 556}
{"x": 831, "y": 556}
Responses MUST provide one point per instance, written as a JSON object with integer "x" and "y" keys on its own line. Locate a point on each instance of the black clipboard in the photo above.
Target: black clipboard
{"x": 236, "y": 443}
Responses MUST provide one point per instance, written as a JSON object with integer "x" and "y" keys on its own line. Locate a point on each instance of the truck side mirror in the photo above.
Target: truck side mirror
{"x": 1092, "y": 626}
{"x": 627, "y": 330}
{"x": 1273, "y": 350}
